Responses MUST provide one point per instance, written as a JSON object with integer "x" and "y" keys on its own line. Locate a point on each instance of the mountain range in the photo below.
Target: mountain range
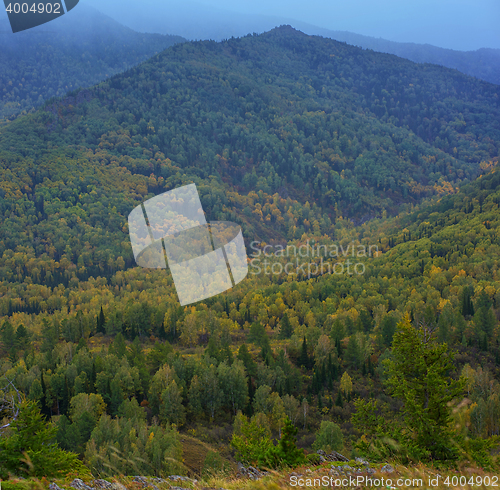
{"x": 283, "y": 132}
{"x": 83, "y": 48}
{"x": 77, "y": 50}
{"x": 483, "y": 63}
{"x": 194, "y": 21}
{"x": 303, "y": 141}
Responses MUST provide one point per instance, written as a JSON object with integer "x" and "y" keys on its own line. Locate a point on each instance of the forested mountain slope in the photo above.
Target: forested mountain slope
{"x": 196, "y": 21}
{"x": 482, "y": 63}
{"x": 77, "y": 50}
{"x": 274, "y": 346}
{"x": 290, "y": 136}
{"x": 283, "y": 132}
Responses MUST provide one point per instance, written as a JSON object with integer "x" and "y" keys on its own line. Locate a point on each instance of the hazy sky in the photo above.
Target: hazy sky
{"x": 456, "y": 24}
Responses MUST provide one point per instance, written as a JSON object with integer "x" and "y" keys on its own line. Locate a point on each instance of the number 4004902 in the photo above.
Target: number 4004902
{"x": 40, "y": 8}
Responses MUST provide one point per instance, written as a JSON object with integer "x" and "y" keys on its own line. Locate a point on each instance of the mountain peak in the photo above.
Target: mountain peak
{"x": 288, "y": 30}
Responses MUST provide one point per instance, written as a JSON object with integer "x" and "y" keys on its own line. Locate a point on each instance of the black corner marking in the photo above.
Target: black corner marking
{"x": 70, "y": 4}
{"x": 26, "y": 14}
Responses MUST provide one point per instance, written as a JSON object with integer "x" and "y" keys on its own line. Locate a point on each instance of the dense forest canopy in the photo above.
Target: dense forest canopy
{"x": 301, "y": 140}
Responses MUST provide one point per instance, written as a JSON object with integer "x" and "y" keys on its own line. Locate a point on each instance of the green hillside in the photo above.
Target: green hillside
{"x": 280, "y": 129}
{"x": 287, "y": 135}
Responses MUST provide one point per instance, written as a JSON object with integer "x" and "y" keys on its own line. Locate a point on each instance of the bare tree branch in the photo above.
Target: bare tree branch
{"x": 427, "y": 330}
{"x": 9, "y": 406}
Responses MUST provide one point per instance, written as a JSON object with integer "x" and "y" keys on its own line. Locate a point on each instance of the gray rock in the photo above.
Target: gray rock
{"x": 335, "y": 456}
{"x": 387, "y": 469}
{"x": 182, "y": 478}
{"x": 54, "y": 486}
{"x": 250, "y": 472}
{"x": 79, "y": 485}
{"x": 362, "y": 461}
{"x": 102, "y": 484}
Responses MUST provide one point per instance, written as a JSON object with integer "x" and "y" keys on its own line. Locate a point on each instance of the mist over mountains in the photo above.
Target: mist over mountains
{"x": 76, "y": 50}
{"x": 483, "y": 63}
{"x": 87, "y": 46}
{"x": 461, "y": 25}
{"x": 194, "y": 20}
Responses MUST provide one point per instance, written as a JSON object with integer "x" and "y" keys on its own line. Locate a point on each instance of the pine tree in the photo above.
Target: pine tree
{"x": 43, "y": 402}
{"x": 339, "y": 402}
{"x": 29, "y": 448}
{"x": 418, "y": 374}
{"x": 484, "y": 320}
{"x": 467, "y": 305}
{"x": 286, "y": 329}
{"x": 304, "y": 357}
{"x": 286, "y": 453}
{"x": 7, "y": 336}
{"x": 65, "y": 398}
{"x": 21, "y": 337}
{"x": 116, "y": 397}
{"x": 101, "y": 321}
{"x": 245, "y": 356}
{"x": 370, "y": 367}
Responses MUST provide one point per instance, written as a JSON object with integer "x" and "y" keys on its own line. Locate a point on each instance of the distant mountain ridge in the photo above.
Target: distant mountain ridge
{"x": 283, "y": 133}
{"x": 77, "y": 50}
{"x": 483, "y": 63}
{"x": 196, "y": 21}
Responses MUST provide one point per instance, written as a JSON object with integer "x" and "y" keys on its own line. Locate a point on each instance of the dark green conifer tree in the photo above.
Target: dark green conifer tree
{"x": 304, "y": 357}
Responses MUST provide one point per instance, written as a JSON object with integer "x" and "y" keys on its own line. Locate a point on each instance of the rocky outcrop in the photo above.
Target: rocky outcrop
{"x": 102, "y": 485}
{"x": 250, "y": 472}
{"x": 333, "y": 456}
{"x": 341, "y": 467}
{"x": 78, "y": 484}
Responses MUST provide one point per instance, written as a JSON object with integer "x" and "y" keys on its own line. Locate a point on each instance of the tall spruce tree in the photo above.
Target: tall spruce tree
{"x": 419, "y": 375}
{"x": 304, "y": 357}
{"x": 30, "y": 448}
